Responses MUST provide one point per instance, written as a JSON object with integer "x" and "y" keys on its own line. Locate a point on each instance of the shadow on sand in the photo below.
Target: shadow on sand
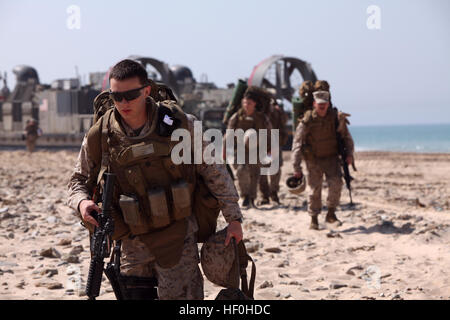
{"x": 386, "y": 227}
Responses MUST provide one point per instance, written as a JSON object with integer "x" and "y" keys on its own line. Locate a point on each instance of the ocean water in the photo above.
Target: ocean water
{"x": 402, "y": 138}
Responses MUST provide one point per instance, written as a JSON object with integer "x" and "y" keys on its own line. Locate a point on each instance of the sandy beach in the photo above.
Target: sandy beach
{"x": 393, "y": 244}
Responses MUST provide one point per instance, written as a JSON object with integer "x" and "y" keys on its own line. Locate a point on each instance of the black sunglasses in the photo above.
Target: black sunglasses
{"x": 127, "y": 95}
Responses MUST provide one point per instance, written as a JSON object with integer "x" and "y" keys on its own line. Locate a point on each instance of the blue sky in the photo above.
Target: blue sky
{"x": 399, "y": 74}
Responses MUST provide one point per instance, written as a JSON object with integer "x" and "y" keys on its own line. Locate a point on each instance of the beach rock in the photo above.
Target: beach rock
{"x": 21, "y": 284}
{"x": 363, "y": 248}
{"x": 252, "y": 248}
{"x": 404, "y": 217}
{"x": 351, "y": 270}
{"x": 70, "y": 258}
{"x": 69, "y": 292}
{"x": 273, "y": 250}
{"x": 283, "y": 264}
{"x": 336, "y": 286}
{"x": 76, "y": 250}
{"x": 7, "y": 215}
{"x": 65, "y": 242}
{"x": 419, "y": 204}
{"x": 49, "y": 272}
{"x": 50, "y": 253}
{"x": 51, "y": 285}
{"x": 332, "y": 234}
{"x": 321, "y": 288}
{"x": 266, "y": 284}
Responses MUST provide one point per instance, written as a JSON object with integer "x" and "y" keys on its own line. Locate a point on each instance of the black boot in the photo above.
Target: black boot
{"x": 252, "y": 204}
{"x": 274, "y": 197}
{"x": 331, "y": 217}
{"x": 246, "y": 202}
{"x": 264, "y": 201}
{"x": 314, "y": 223}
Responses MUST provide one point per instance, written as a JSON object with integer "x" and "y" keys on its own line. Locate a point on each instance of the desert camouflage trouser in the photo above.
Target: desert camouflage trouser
{"x": 31, "y": 142}
{"x": 248, "y": 177}
{"x": 183, "y": 281}
{"x": 267, "y": 188}
{"x": 330, "y": 167}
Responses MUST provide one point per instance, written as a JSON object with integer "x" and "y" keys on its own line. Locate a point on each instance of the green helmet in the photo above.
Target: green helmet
{"x": 296, "y": 185}
{"x": 219, "y": 261}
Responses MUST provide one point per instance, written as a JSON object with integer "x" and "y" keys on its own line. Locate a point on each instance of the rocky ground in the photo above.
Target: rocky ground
{"x": 393, "y": 243}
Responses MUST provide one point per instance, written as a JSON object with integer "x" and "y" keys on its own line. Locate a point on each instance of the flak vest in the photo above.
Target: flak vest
{"x": 255, "y": 121}
{"x": 154, "y": 196}
{"x": 321, "y": 139}
{"x": 244, "y": 122}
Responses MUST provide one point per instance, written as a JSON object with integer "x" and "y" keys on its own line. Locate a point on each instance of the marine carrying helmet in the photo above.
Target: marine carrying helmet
{"x": 296, "y": 185}
{"x": 218, "y": 261}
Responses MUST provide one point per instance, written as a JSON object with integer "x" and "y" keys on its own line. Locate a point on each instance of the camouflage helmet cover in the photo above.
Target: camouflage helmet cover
{"x": 218, "y": 261}
{"x": 321, "y": 85}
{"x": 306, "y": 88}
{"x": 296, "y": 185}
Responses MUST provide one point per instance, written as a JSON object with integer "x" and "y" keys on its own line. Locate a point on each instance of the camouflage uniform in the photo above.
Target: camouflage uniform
{"x": 248, "y": 174}
{"x": 278, "y": 119}
{"x": 315, "y": 142}
{"x": 183, "y": 280}
{"x": 31, "y": 135}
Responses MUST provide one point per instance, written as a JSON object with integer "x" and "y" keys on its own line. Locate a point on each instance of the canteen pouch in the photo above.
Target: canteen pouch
{"x": 158, "y": 207}
{"x": 132, "y": 215}
{"x": 130, "y": 210}
{"x": 181, "y": 200}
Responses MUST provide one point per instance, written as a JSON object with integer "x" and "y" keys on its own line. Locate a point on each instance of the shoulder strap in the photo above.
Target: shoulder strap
{"x": 242, "y": 259}
{"x": 105, "y": 127}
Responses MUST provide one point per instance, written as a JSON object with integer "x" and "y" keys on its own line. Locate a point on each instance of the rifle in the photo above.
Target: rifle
{"x": 101, "y": 240}
{"x": 343, "y": 152}
{"x": 129, "y": 287}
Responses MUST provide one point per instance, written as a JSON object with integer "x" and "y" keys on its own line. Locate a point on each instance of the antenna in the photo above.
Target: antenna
{"x": 77, "y": 74}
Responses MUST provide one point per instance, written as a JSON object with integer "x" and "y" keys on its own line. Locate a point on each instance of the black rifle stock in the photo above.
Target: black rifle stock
{"x": 101, "y": 239}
